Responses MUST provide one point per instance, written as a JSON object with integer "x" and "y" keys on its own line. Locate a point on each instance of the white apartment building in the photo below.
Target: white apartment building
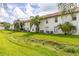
{"x": 28, "y": 28}
{"x": 11, "y": 27}
{"x": 2, "y": 27}
{"x": 50, "y": 22}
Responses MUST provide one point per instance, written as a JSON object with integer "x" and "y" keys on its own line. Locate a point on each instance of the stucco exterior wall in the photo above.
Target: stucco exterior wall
{"x": 77, "y": 24}
{"x": 51, "y": 25}
{"x": 27, "y": 27}
{"x": 2, "y": 28}
{"x": 11, "y": 27}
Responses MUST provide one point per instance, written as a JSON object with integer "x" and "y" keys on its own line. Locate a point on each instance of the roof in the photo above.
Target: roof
{"x": 27, "y": 21}
{"x": 59, "y": 13}
{"x": 56, "y": 14}
{"x": 52, "y": 15}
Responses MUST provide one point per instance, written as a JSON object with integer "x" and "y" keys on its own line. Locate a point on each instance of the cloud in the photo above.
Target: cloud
{"x": 3, "y": 12}
{"x": 29, "y": 10}
{"x": 47, "y": 7}
{"x": 15, "y": 10}
{"x": 13, "y": 17}
{"x": 1, "y": 19}
{"x": 40, "y": 8}
{"x": 44, "y": 8}
{"x": 18, "y": 13}
{"x": 9, "y": 6}
{"x": 45, "y": 13}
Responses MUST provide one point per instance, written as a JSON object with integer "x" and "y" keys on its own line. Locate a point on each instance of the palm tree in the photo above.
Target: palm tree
{"x": 67, "y": 28}
{"x": 18, "y": 25}
{"x": 35, "y": 21}
{"x": 67, "y": 8}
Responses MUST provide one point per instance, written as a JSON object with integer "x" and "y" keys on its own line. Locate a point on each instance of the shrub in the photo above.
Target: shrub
{"x": 67, "y": 28}
{"x": 71, "y": 49}
{"x": 61, "y": 46}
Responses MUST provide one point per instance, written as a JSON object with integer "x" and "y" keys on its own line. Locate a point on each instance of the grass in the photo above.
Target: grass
{"x": 20, "y": 45}
{"x": 8, "y": 48}
{"x": 67, "y": 39}
{"x": 71, "y": 50}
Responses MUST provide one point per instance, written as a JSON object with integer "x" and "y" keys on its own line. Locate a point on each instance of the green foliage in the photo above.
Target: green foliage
{"x": 60, "y": 46}
{"x": 67, "y": 8}
{"x": 67, "y": 28}
{"x": 19, "y": 46}
{"x": 18, "y": 25}
{"x": 35, "y": 20}
{"x": 71, "y": 49}
{"x": 6, "y": 25}
{"x": 8, "y": 48}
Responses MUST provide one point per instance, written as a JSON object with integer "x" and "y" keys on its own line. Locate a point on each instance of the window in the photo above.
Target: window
{"x": 55, "y": 29}
{"x": 46, "y": 21}
{"x": 32, "y": 29}
{"x": 51, "y": 32}
{"x": 27, "y": 28}
{"x": 41, "y": 31}
{"x": 73, "y": 17}
{"x": 56, "y": 20}
{"x": 47, "y": 32}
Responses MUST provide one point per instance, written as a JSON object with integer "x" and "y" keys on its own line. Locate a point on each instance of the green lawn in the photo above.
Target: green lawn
{"x": 19, "y": 43}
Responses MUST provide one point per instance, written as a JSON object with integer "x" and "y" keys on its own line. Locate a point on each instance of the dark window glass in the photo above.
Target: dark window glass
{"x": 51, "y": 32}
{"x": 73, "y": 17}
{"x": 32, "y": 29}
{"x": 28, "y": 29}
{"x": 41, "y": 31}
{"x": 56, "y": 20}
{"x": 55, "y": 29}
{"x": 46, "y": 21}
{"x": 47, "y": 32}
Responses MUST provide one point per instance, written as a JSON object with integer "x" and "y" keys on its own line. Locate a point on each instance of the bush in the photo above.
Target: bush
{"x": 71, "y": 49}
{"x": 67, "y": 28}
{"x": 61, "y": 46}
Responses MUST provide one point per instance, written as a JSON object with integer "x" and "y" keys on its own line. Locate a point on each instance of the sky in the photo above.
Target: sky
{"x": 11, "y": 11}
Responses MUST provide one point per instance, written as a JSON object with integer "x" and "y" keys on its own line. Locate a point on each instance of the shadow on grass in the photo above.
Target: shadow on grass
{"x": 28, "y": 34}
{"x": 66, "y": 36}
{"x": 7, "y": 31}
{"x": 33, "y": 47}
{"x": 61, "y": 35}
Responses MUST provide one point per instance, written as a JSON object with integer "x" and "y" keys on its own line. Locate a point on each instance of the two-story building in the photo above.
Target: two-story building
{"x": 50, "y": 22}
{"x": 28, "y": 28}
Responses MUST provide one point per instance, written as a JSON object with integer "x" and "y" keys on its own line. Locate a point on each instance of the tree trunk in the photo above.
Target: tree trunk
{"x": 65, "y": 33}
{"x": 37, "y": 28}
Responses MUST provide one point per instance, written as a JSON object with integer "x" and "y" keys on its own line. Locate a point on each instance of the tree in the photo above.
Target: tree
{"x": 35, "y": 21}
{"x": 67, "y": 8}
{"x": 18, "y": 25}
{"x": 67, "y": 28}
{"x": 6, "y": 25}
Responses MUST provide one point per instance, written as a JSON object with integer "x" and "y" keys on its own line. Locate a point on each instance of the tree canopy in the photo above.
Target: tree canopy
{"x": 67, "y": 7}
{"x": 67, "y": 28}
{"x": 18, "y": 25}
{"x": 35, "y": 20}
